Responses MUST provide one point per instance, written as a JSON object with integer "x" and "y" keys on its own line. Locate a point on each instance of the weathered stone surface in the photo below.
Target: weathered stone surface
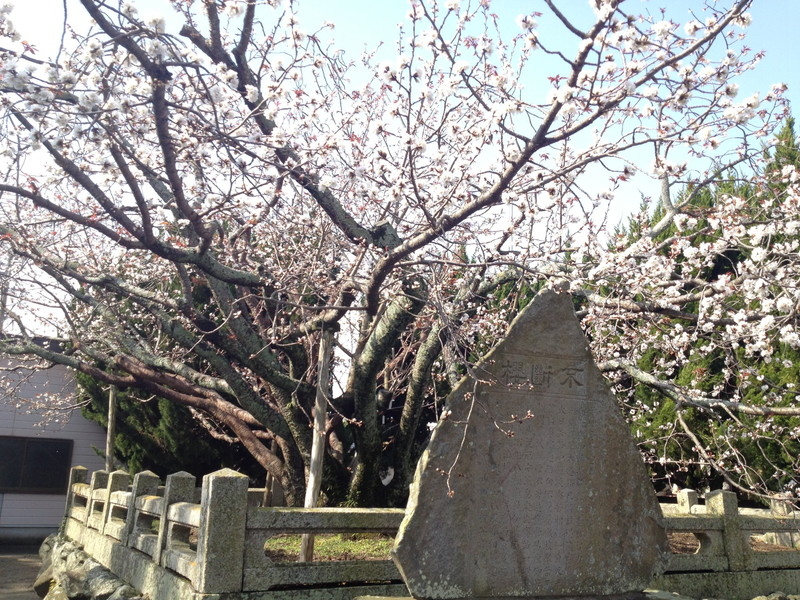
{"x": 532, "y": 485}
{"x": 56, "y": 592}
{"x": 75, "y": 574}
{"x": 44, "y": 578}
{"x": 646, "y": 595}
{"x": 743, "y": 585}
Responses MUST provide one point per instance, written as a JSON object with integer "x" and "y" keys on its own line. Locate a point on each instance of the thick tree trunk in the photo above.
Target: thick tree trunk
{"x": 292, "y": 477}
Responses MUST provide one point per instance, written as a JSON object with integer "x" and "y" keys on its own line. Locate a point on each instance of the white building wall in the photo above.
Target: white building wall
{"x": 30, "y": 516}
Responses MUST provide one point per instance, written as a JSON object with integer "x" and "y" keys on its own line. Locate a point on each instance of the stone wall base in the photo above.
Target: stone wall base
{"x": 131, "y": 565}
{"x": 646, "y": 595}
{"x": 731, "y": 585}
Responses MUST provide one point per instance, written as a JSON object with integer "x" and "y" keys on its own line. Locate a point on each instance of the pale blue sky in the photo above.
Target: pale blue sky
{"x": 364, "y": 24}
{"x": 774, "y": 30}
{"x": 367, "y": 23}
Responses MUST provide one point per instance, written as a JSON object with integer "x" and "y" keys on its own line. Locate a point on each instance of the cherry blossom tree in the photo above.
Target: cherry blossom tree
{"x": 711, "y": 379}
{"x": 194, "y": 212}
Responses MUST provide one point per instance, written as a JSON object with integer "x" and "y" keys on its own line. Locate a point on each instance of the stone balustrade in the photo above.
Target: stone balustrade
{"x": 261, "y": 573}
{"x": 178, "y": 541}
{"x": 726, "y": 564}
{"x": 175, "y": 541}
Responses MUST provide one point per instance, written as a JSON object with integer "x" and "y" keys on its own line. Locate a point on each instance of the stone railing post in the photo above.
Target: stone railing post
{"x": 782, "y": 508}
{"x": 179, "y": 488}
{"x": 737, "y": 549}
{"x": 76, "y": 475}
{"x": 220, "y": 546}
{"x": 117, "y": 481}
{"x": 99, "y": 482}
{"x": 686, "y": 500}
{"x": 144, "y": 484}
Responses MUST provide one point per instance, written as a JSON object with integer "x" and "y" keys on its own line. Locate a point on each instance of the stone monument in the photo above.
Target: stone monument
{"x": 532, "y": 486}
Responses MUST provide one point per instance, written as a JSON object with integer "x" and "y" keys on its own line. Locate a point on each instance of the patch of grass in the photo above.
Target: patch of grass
{"x": 331, "y": 547}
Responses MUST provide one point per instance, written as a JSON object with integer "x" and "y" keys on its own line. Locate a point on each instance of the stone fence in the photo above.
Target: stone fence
{"x": 741, "y": 552}
{"x": 178, "y": 542}
{"x": 174, "y": 542}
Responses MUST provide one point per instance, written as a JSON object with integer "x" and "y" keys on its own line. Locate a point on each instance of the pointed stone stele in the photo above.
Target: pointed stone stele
{"x": 532, "y": 486}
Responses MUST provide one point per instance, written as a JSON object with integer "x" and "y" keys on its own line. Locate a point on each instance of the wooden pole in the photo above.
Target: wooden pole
{"x": 318, "y": 441}
{"x": 269, "y": 481}
{"x": 111, "y": 429}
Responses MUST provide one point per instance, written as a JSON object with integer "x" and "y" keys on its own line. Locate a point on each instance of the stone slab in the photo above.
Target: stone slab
{"x": 646, "y": 595}
{"x": 531, "y": 485}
